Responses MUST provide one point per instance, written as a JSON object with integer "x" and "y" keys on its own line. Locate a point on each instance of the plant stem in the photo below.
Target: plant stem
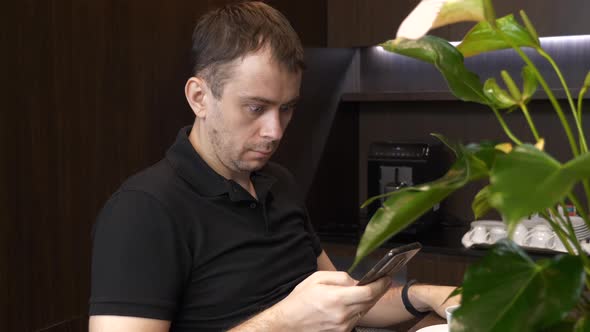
{"x": 525, "y": 111}
{"x": 563, "y": 236}
{"x": 577, "y": 117}
{"x": 580, "y": 209}
{"x": 583, "y": 145}
{"x": 564, "y": 239}
{"x": 582, "y": 137}
{"x": 570, "y": 229}
{"x": 573, "y": 238}
{"x": 554, "y": 102}
{"x": 505, "y": 127}
{"x": 580, "y": 99}
{"x": 581, "y": 252}
{"x": 543, "y": 83}
{"x": 559, "y": 74}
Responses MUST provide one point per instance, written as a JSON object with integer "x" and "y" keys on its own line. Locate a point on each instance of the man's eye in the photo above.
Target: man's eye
{"x": 287, "y": 108}
{"x": 255, "y": 108}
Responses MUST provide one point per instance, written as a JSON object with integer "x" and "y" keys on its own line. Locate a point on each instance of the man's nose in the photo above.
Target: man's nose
{"x": 272, "y": 127}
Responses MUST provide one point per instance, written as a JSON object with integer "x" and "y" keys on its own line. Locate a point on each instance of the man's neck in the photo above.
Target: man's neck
{"x": 204, "y": 149}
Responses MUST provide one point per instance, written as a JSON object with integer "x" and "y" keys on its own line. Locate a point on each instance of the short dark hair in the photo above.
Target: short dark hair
{"x": 233, "y": 31}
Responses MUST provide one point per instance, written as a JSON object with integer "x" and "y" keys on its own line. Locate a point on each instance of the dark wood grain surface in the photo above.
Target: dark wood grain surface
{"x": 93, "y": 93}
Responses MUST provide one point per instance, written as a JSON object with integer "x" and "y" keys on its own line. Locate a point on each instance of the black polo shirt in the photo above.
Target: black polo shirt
{"x": 179, "y": 242}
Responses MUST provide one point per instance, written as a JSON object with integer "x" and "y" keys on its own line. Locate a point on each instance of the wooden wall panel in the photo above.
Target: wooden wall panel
{"x": 356, "y": 23}
{"x": 308, "y": 18}
{"x": 95, "y": 94}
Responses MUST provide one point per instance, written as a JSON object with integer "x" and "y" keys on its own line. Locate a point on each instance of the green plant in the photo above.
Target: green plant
{"x": 507, "y": 290}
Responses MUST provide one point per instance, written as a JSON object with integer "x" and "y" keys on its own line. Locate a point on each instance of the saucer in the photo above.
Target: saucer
{"x": 435, "y": 328}
{"x": 488, "y": 223}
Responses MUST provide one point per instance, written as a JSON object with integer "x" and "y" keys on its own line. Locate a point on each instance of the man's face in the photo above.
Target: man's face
{"x": 247, "y": 123}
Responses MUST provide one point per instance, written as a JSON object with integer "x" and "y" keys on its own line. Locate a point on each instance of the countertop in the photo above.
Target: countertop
{"x": 440, "y": 239}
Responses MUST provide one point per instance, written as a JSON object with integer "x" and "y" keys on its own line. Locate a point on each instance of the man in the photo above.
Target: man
{"x": 214, "y": 236}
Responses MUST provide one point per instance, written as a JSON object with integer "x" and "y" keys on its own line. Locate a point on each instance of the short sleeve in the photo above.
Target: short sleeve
{"x": 315, "y": 240}
{"x": 140, "y": 260}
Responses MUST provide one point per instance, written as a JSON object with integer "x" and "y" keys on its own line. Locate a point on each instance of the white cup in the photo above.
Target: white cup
{"x": 541, "y": 236}
{"x": 449, "y": 311}
{"x": 519, "y": 234}
{"x": 497, "y": 233}
{"x": 479, "y": 234}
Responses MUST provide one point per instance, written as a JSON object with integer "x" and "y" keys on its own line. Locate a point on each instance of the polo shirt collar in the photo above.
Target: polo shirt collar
{"x": 189, "y": 165}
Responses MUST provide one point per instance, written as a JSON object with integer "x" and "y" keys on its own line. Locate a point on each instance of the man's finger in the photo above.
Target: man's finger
{"x": 335, "y": 278}
{"x": 364, "y": 294}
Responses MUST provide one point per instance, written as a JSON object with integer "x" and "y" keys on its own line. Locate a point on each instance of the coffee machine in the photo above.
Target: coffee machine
{"x": 395, "y": 165}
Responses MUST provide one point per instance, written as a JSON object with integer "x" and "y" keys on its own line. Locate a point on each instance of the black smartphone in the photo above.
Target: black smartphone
{"x": 392, "y": 262}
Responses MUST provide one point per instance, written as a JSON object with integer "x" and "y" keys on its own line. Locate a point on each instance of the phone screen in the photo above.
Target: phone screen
{"x": 392, "y": 262}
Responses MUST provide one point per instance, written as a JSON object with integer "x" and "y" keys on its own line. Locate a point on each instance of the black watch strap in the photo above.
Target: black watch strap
{"x": 408, "y": 305}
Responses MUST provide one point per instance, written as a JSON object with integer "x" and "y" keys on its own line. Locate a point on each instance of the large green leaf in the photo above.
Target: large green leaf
{"x": 507, "y": 291}
{"x": 501, "y": 99}
{"x": 530, "y": 83}
{"x": 483, "y": 38}
{"x": 565, "y": 325}
{"x": 481, "y": 156}
{"x": 583, "y": 325}
{"x": 463, "y": 83}
{"x": 484, "y": 151}
{"x": 528, "y": 180}
{"x": 498, "y": 96}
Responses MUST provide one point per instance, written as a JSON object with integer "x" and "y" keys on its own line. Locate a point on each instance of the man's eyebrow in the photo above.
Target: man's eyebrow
{"x": 268, "y": 101}
{"x": 293, "y": 101}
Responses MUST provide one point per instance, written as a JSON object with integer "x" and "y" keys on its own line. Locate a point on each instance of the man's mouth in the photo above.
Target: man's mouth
{"x": 264, "y": 152}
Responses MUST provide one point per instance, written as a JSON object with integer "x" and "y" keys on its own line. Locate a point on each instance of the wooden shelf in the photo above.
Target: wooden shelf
{"x": 432, "y": 95}
{"x": 398, "y": 96}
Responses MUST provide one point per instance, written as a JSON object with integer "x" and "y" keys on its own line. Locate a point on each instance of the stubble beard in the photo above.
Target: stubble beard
{"x": 224, "y": 148}
{"x": 224, "y": 151}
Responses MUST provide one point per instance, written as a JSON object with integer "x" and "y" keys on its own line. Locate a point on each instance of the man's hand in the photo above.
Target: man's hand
{"x": 329, "y": 301}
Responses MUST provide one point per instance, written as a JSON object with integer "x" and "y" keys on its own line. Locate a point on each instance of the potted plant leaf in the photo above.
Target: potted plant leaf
{"x": 506, "y": 290}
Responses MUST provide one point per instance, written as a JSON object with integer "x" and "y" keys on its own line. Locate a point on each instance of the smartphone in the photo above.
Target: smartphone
{"x": 391, "y": 263}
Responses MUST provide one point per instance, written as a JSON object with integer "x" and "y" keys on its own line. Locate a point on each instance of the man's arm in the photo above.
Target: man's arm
{"x": 326, "y": 300}
{"x": 102, "y": 323}
{"x": 325, "y": 263}
{"x": 390, "y": 310}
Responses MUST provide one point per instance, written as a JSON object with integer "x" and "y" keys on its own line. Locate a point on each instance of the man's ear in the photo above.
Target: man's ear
{"x": 195, "y": 91}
